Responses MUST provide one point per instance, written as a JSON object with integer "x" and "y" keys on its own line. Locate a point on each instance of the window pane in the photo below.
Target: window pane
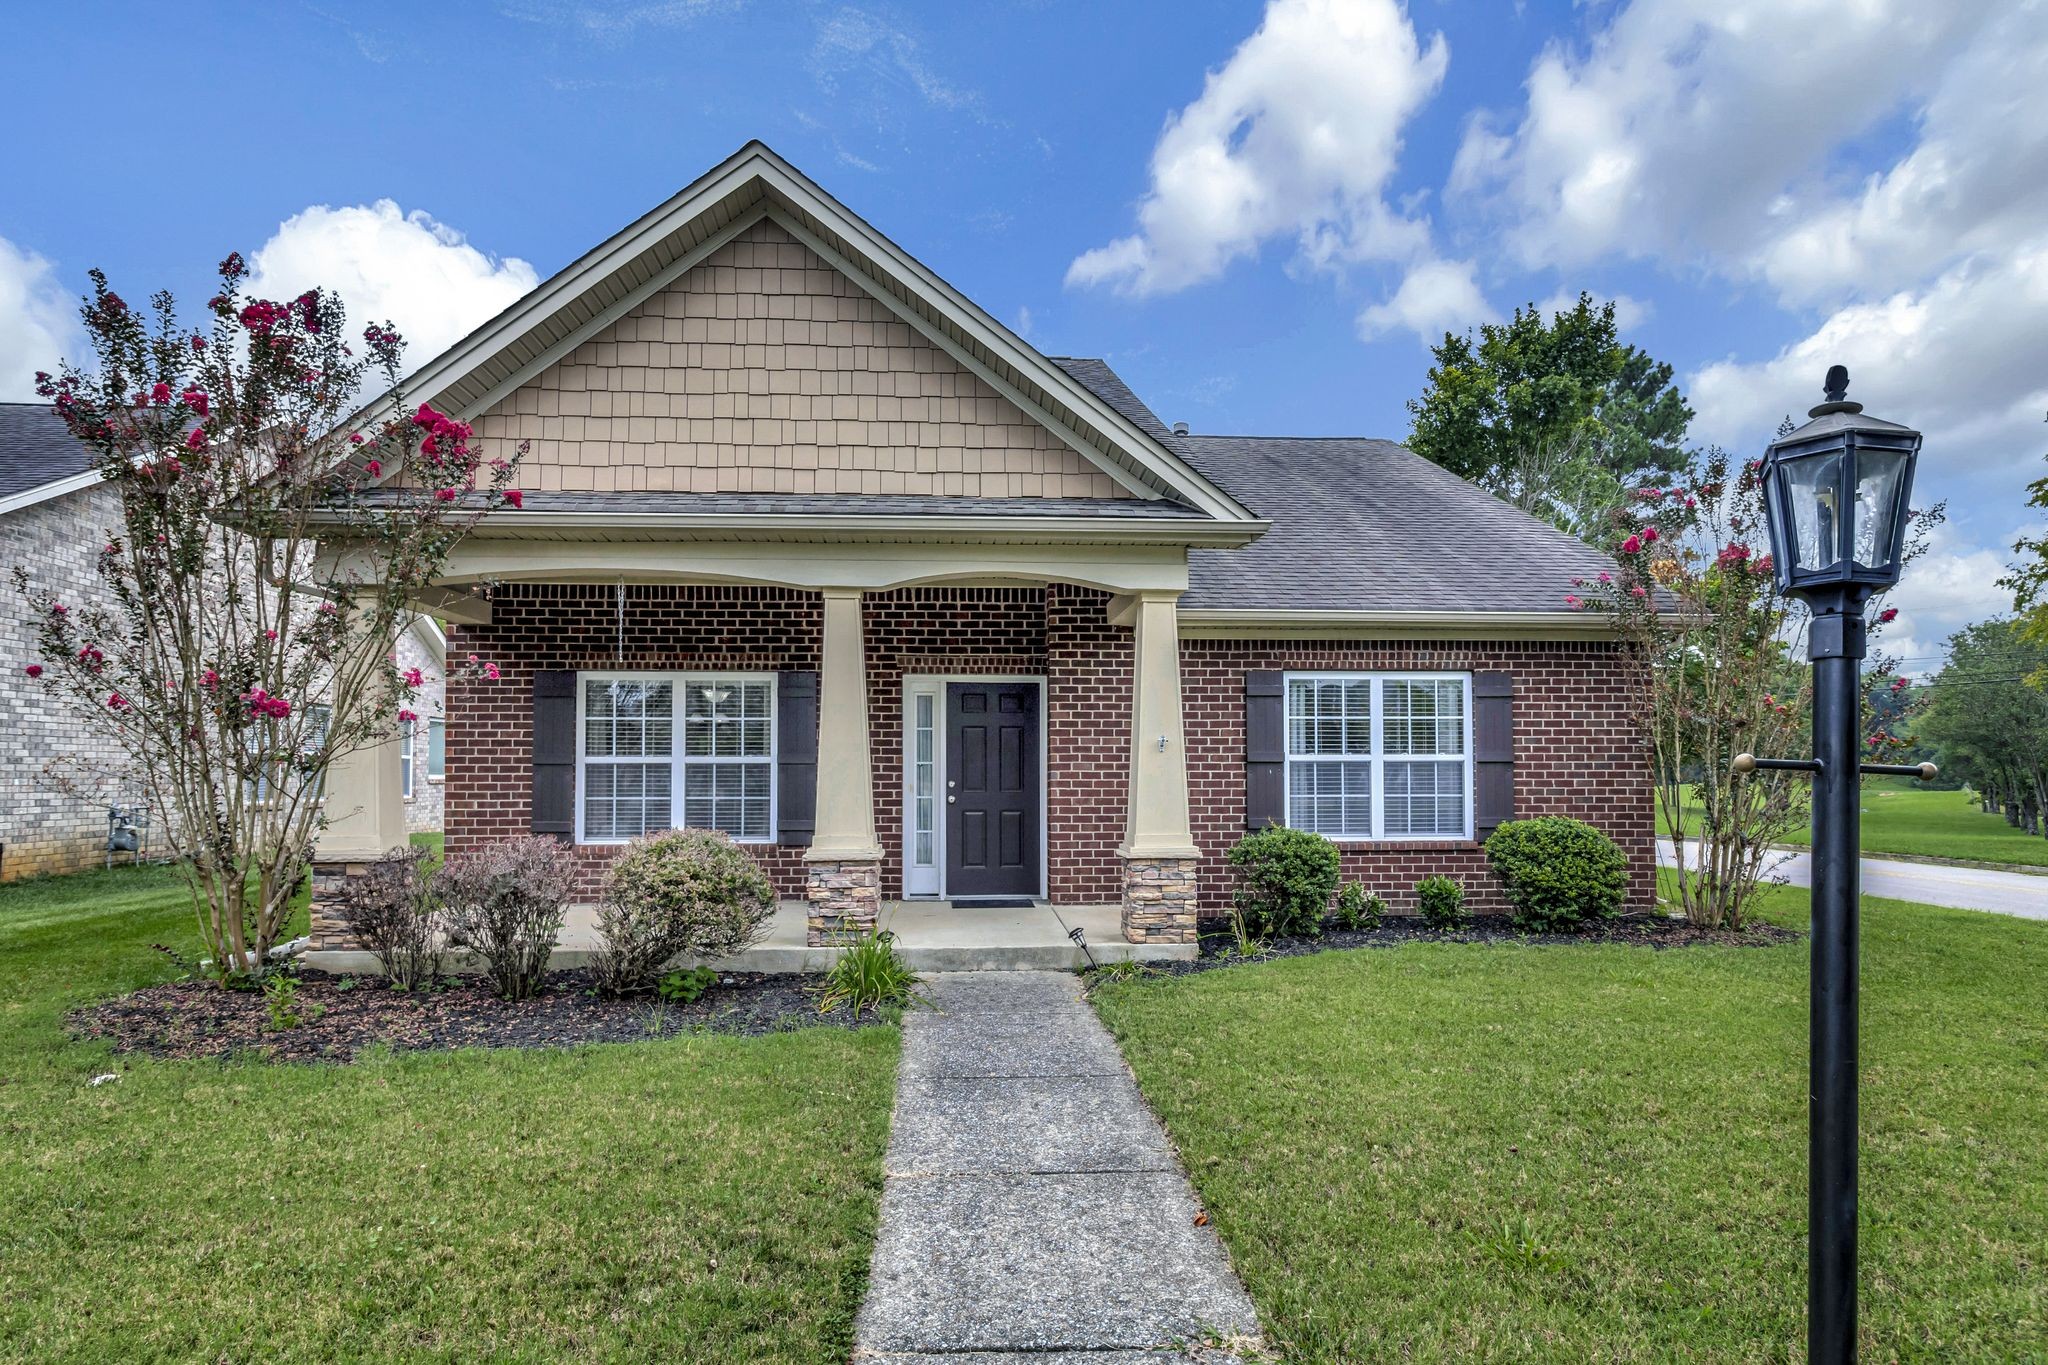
{"x": 1329, "y": 716}
{"x": 1425, "y": 799}
{"x": 1331, "y": 797}
{"x": 733, "y": 797}
{"x": 437, "y": 749}
{"x": 1425, "y": 717}
{"x": 622, "y": 800}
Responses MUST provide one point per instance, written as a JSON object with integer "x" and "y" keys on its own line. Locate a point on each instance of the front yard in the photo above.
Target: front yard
{"x": 1902, "y": 817}
{"x": 1474, "y": 1152}
{"x": 695, "y": 1199}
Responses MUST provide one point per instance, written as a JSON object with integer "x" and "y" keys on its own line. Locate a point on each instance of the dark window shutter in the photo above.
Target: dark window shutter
{"x": 554, "y": 754}
{"x": 1265, "y": 749}
{"x": 1493, "y": 751}
{"x": 796, "y": 757}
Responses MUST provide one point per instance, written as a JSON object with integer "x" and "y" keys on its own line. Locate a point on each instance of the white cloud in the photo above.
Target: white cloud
{"x": 855, "y": 40}
{"x": 1435, "y": 297}
{"x": 1961, "y": 359}
{"x": 387, "y": 264}
{"x": 1629, "y": 312}
{"x": 1685, "y": 127}
{"x": 1296, "y": 136}
{"x": 1947, "y": 588}
{"x": 38, "y": 322}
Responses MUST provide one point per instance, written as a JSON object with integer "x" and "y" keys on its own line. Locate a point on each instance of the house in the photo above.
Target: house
{"x": 816, "y": 552}
{"x": 58, "y": 776}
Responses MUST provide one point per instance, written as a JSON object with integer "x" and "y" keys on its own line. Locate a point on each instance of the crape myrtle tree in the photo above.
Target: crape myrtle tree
{"x": 1694, "y": 596}
{"x": 230, "y": 661}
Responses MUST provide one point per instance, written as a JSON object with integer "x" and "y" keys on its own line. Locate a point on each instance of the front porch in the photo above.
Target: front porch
{"x": 931, "y": 936}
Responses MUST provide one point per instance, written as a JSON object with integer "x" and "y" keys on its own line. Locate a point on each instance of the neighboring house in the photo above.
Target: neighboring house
{"x": 58, "y": 776}
{"x": 816, "y": 552}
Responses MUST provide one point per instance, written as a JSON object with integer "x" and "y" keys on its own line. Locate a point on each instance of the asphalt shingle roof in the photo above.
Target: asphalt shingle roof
{"x": 35, "y": 448}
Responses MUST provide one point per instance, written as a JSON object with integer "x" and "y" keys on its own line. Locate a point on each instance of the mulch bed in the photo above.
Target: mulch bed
{"x": 194, "y": 1019}
{"x": 1639, "y": 931}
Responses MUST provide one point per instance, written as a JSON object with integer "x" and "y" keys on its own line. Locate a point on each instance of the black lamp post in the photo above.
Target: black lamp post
{"x": 1835, "y": 494}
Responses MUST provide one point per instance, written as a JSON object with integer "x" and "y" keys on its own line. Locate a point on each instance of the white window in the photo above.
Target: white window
{"x": 1379, "y": 755}
{"x": 634, "y": 777}
{"x": 437, "y": 750}
{"x": 405, "y": 745}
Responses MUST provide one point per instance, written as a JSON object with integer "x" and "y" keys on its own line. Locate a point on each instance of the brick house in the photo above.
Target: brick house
{"x": 57, "y": 775}
{"x": 816, "y": 552}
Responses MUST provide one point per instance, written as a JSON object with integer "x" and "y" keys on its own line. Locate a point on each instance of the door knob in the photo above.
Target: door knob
{"x": 951, "y": 799}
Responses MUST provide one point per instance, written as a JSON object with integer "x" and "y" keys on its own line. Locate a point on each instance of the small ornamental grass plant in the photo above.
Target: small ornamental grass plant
{"x": 1559, "y": 873}
{"x": 869, "y": 975}
{"x": 689, "y": 892}
{"x": 1442, "y": 902}
{"x": 505, "y": 903}
{"x": 1285, "y": 878}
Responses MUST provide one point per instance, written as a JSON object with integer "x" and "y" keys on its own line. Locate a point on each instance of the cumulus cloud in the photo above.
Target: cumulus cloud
{"x": 1435, "y": 297}
{"x": 1947, "y": 588}
{"x": 388, "y": 264}
{"x": 38, "y": 322}
{"x": 1295, "y": 137}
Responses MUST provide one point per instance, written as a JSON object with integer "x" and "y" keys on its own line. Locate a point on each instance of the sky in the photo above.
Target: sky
{"x": 1260, "y": 214}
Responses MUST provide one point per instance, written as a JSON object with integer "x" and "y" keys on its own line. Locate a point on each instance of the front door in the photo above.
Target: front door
{"x": 992, "y": 808}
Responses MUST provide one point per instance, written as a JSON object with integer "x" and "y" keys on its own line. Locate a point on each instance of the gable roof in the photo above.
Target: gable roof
{"x": 39, "y": 457}
{"x": 553, "y": 319}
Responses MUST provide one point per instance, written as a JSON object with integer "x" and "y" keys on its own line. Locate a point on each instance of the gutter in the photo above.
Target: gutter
{"x": 1250, "y": 623}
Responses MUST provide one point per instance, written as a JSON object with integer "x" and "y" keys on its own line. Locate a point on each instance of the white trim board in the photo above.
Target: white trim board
{"x": 46, "y": 492}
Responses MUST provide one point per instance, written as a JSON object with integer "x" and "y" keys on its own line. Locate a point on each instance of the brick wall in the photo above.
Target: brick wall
{"x": 1088, "y": 728}
{"x": 765, "y": 370}
{"x": 1574, "y": 754}
{"x": 54, "y": 788}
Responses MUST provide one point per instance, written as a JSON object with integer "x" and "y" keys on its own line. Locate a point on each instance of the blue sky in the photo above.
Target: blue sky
{"x": 1255, "y": 212}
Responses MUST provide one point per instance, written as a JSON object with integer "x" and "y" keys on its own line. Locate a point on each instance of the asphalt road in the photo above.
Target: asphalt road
{"x": 1964, "y": 888}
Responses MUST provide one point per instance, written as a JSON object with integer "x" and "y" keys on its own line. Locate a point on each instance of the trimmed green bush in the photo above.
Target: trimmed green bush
{"x": 1285, "y": 878}
{"x": 687, "y": 892}
{"x": 1442, "y": 901}
{"x": 1558, "y": 872}
{"x": 1358, "y": 908}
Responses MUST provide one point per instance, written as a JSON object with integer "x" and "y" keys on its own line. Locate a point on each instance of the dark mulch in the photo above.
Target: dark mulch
{"x": 1641, "y": 931}
{"x": 193, "y": 1019}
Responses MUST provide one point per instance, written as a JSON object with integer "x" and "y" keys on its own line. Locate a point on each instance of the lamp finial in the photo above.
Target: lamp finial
{"x": 1837, "y": 390}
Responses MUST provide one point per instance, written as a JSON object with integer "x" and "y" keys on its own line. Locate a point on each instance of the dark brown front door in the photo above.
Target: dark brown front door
{"x": 992, "y": 815}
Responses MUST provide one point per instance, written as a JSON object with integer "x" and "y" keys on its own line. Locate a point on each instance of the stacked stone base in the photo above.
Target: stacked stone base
{"x": 845, "y": 901}
{"x": 328, "y": 929}
{"x": 1160, "y": 899}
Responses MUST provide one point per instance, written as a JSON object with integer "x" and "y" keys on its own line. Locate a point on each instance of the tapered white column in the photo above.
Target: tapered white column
{"x": 365, "y": 802}
{"x": 846, "y": 786}
{"x": 1156, "y": 818}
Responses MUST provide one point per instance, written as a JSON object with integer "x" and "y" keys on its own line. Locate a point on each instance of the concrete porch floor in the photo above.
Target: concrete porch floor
{"x": 932, "y": 936}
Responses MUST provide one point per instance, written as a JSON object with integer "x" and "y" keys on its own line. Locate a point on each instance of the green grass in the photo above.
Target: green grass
{"x": 1930, "y": 824}
{"x": 1466, "y": 1152}
{"x": 700, "y": 1199}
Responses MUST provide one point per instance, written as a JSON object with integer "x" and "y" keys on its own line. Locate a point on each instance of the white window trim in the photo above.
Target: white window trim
{"x": 677, "y": 762}
{"x": 1378, "y": 759}
{"x": 408, "y": 778}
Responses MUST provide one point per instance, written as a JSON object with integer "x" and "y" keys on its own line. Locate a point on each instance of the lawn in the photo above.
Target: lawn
{"x": 1451, "y": 1152}
{"x": 1931, "y": 824}
{"x": 700, "y": 1199}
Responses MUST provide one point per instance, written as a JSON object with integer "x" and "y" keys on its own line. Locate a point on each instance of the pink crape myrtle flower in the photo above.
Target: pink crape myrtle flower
{"x": 414, "y": 678}
{"x": 515, "y": 499}
{"x": 195, "y": 440}
{"x": 491, "y": 672}
{"x": 1887, "y": 616}
{"x": 116, "y": 702}
{"x": 1573, "y": 602}
{"x": 408, "y": 716}
{"x": 1633, "y": 545}
{"x": 34, "y": 670}
{"x": 195, "y": 398}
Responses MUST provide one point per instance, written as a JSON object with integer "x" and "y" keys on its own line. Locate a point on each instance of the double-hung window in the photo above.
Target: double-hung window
{"x": 406, "y": 735}
{"x": 1380, "y": 755}
{"x": 668, "y": 751}
{"x": 437, "y": 750}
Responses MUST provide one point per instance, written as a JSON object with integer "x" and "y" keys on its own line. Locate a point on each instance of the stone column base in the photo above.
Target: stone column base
{"x": 1159, "y": 899}
{"x": 845, "y": 901}
{"x": 328, "y": 929}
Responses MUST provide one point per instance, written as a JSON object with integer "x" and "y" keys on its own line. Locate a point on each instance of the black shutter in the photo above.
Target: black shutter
{"x": 1265, "y": 749}
{"x": 1493, "y": 751}
{"x": 796, "y": 761}
{"x": 554, "y": 754}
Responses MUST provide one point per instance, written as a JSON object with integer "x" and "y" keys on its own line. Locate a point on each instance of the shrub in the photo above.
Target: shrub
{"x": 1285, "y": 878}
{"x": 687, "y": 892}
{"x": 1442, "y": 902}
{"x": 281, "y": 999}
{"x": 505, "y": 903}
{"x": 1358, "y": 908}
{"x": 1558, "y": 872}
{"x": 868, "y": 975}
{"x": 391, "y": 911}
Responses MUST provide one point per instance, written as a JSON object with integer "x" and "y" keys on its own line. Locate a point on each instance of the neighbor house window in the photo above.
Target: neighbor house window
{"x": 405, "y": 738}
{"x": 665, "y": 751}
{"x": 437, "y": 750}
{"x": 1379, "y": 755}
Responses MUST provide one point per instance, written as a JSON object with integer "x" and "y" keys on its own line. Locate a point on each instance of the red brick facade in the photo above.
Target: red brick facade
{"x": 1574, "y": 752}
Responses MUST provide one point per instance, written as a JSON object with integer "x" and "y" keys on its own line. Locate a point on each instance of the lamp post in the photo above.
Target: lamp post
{"x": 1835, "y": 495}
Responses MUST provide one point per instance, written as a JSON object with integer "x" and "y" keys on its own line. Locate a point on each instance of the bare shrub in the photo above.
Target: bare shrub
{"x": 689, "y": 891}
{"x": 392, "y": 912}
{"x": 505, "y": 903}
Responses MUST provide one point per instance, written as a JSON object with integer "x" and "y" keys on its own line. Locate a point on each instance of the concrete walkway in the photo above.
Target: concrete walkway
{"x": 1960, "y": 888}
{"x": 1033, "y": 1210}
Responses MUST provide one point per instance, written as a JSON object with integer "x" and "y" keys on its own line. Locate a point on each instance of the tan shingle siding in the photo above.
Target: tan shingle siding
{"x": 765, "y": 370}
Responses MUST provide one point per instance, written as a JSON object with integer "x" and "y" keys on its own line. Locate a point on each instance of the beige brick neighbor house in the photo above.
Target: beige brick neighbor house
{"x": 816, "y": 552}
{"x": 58, "y": 776}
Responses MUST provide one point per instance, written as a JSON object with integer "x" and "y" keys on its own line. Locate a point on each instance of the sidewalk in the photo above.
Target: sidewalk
{"x": 1033, "y": 1209}
{"x": 1960, "y": 888}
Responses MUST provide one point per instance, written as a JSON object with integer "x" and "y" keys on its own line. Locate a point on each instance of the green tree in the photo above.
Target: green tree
{"x": 1989, "y": 724}
{"x": 2029, "y": 578}
{"x": 1552, "y": 413}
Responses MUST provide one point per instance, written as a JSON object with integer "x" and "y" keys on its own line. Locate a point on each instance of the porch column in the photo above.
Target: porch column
{"x": 843, "y": 878}
{"x": 365, "y": 801}
{"x": 1159, "y": 853}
